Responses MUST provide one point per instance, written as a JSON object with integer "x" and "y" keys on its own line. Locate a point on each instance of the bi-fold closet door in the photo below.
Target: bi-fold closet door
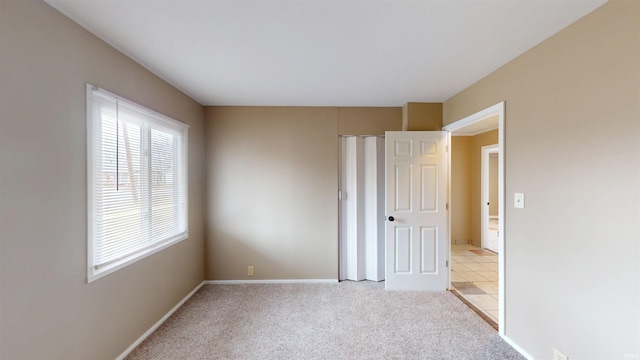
{"x": 362, "y": 229}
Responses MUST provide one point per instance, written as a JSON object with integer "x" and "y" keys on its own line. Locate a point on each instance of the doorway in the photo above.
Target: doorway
{"x": 468, "y": 258}
{"x": 489, "y": 201}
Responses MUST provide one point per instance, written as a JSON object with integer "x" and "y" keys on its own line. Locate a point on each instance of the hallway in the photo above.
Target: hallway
{"x": 474, "y": 274}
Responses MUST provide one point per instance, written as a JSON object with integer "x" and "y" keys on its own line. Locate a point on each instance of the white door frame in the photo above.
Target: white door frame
{"x": 484, "y": 186}
{"x": 497, "y": 109}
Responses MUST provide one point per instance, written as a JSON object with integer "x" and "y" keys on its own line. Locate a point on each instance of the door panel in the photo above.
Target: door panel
{"x": 403, "y": 188}
{"x": 416, "y": 191}
{"x": 429, "y": 188}
{"x": 402, "y": 249}
{"x": 428, "y": 249}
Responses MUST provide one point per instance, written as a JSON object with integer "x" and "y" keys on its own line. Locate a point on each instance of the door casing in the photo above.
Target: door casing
{"x": 495, "y": 110}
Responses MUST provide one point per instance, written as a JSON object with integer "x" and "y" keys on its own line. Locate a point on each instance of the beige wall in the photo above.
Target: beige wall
{"x": 422, "y": 116}
{"x": 572, "y": 146}
{"x": 368, "y": 120}
{"x": 477, "y": 142}
{"x": 47, "y": 309}
{"x": 272, "y": 182}
{"x": 493, "y": 185}
{"x": 460, "y": 189}
{"x": 466, "y": 187}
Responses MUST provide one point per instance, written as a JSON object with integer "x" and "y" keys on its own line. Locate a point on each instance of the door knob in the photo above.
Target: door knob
{"x": 390, "y": 218}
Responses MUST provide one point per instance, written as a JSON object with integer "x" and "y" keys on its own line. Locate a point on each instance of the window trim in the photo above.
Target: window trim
{"x": 117, "y": 264}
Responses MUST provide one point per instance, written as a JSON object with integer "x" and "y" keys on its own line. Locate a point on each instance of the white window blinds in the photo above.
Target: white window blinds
{"x": 137, "y": 177}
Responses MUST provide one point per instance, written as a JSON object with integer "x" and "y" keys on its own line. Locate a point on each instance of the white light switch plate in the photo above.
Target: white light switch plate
{"x": 558, "y": 355}
{"x": 518, "y": 200}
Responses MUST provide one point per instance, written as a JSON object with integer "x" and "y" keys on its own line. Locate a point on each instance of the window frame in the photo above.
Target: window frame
{"x": 150, "y": 117}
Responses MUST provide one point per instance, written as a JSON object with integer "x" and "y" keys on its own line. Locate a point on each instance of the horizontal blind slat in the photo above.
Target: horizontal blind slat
{"x": 139, "y": 179}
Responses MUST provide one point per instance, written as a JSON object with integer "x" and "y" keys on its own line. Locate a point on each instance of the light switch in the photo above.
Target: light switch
{"x": 518, "y": 200}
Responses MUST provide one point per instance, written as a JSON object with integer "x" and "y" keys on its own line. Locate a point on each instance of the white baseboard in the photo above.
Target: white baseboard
{"x": 218, "y": 282}
{"x": 281, "y": 281}
{"x": 157, "y": 325}
{"x": 518, "y": 348}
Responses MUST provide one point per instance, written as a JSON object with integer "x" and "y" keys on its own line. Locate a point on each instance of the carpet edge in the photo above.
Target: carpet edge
{"x": 157, "y": 324}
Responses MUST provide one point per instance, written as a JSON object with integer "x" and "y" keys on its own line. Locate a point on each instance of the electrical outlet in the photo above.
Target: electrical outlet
{"x": 250, "y": 271}
{"x": 558, "y": 355}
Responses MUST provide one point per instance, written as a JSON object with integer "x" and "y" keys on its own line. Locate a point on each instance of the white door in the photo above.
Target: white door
{"x": 416, "y": 231}
{"x": 489, "y": 186}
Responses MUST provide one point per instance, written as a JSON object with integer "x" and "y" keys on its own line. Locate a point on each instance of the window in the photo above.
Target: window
{"x": 137, "y": 182}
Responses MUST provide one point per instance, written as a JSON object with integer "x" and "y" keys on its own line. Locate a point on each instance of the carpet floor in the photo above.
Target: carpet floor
{"x": 348, "y": 320}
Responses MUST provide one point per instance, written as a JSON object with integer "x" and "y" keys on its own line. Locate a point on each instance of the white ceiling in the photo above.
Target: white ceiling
{"x": 322, "y": 52}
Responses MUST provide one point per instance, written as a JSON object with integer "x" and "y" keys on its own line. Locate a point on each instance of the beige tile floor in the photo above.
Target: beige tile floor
{"x": 492, "y": 239}
{"x": 474, "y": 274}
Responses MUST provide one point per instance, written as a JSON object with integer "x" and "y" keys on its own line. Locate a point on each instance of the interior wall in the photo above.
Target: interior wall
{"x": 368, "y": 120}
{"x": 466, "y": 187}
{"x": 48, "y": 310}
{"x": 493, "y": 185}
{"x": 272, "y": 188}
{"x": 460, "y": 189}
{"x": 422, "y": 116}
{"x": 572, "y": 147}
{"x": 477, "y": 142}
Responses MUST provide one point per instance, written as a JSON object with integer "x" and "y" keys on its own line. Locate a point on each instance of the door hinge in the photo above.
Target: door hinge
{"x": 339, "y": 194}
{"x": 446, "y": 206}
{"x": 446, "y": 263}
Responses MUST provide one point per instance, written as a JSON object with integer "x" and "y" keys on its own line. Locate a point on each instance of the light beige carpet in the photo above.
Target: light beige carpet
{"x": 348, "y": 320}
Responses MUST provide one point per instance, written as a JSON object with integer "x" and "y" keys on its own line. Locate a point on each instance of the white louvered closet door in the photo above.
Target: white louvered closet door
{"x": 362, "y": 208}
